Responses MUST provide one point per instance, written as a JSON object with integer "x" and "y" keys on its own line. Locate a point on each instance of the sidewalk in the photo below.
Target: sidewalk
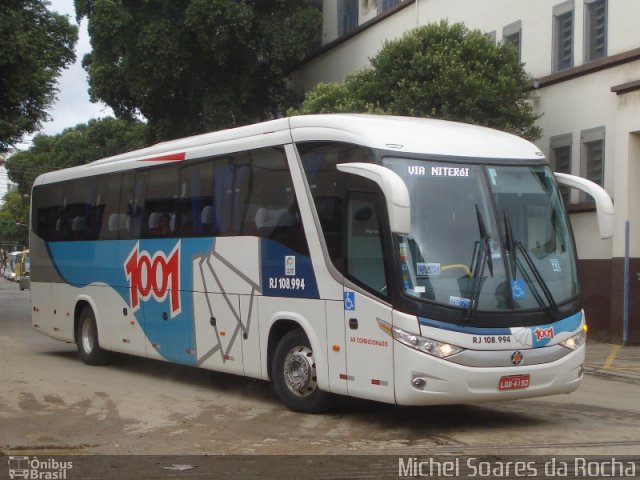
{"x": 614, "y": 361}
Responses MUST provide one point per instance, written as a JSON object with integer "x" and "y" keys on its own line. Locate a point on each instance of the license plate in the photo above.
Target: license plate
{"x": 514, "y": 382}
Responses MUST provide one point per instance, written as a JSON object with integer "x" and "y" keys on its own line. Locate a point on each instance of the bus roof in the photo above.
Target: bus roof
{"x": 402, "y": 134}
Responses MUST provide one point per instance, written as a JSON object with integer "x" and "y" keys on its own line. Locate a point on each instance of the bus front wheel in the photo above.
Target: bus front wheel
{"x": 293, "y": 372}
{"x": 87, "y": 339}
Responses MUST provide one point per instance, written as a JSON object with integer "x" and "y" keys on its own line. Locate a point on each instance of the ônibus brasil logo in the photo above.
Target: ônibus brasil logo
{"x": 157, "y": 276}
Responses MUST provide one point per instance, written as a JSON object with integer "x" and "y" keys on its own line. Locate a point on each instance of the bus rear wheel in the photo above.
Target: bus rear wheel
{"x": 87, "y": 339}
{"x": 293, "y": 372}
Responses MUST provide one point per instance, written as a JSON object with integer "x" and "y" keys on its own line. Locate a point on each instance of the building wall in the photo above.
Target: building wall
{"x": 5, "y": 183}
{"x": 573, "y": 101}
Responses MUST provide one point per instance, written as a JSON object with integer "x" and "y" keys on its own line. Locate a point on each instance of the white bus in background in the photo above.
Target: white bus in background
{"x": 402, "y": 260}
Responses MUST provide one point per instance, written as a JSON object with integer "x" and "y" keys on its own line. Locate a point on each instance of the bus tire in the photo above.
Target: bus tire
{"x": 293, "y": 372}
{"x": 89, "y": 348}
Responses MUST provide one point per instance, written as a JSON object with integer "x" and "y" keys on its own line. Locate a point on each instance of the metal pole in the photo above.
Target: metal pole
{"x": 625, "y": 308}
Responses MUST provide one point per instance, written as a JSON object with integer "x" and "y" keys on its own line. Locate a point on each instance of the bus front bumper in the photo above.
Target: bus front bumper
{"x": 421, "y": 379}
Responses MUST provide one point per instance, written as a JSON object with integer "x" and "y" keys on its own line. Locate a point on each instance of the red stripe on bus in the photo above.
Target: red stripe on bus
{"x": 172, "y": 157}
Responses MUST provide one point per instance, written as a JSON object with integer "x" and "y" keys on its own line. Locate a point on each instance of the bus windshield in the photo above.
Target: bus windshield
{"x": 485, "y": 237}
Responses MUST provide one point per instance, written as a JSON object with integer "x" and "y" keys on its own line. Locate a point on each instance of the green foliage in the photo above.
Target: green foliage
{"x": 439, "y": 71}
{"x": 14, "y": 216}
{"x": 75, "y": 146}
{"x": 35, "y": 46}
{"x": 190, "y": 66}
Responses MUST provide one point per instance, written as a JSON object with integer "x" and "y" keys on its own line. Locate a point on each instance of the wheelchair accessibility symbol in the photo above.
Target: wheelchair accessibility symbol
{"x": 349, "y": 300}
{"x": 518, "y": 289}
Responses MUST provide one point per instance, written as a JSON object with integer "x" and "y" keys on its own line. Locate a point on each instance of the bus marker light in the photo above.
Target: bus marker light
{"x": 385, "y": 327}
{"x": 336, "y": 348}
{"x": 419, "y": 382}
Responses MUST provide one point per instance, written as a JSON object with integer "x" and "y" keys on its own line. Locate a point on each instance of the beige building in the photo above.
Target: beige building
{"x": 584, "y": 59}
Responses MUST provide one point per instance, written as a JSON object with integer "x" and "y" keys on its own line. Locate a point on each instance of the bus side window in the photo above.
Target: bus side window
{"x": 365, "y": 256}
{"x": 272, "y": 211}
{"x": 161, "y": 203}
{"x": 196, "y": 200}
{"x": 46, "y": 211}
{"x": 327, "y": 187}
{"x": 107, "y": 205}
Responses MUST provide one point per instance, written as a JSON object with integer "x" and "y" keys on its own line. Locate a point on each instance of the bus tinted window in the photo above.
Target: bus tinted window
{"x": 197, "y": 215}
{"x": 247, "y": 193}
{"x": 161, "y": 202}
{"x": 76, "y": 214}
{"x": 319, "y": 160}
{"x": 271, "y": 207}
{"x": 365, "y": 255}
{"x": 114, "y": 221}
{"x": 47, "y": 201}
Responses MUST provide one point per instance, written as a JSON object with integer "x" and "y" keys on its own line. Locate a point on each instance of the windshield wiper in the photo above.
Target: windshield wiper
{"x": 512, "y": 246}
{"x": 484, "y": 258}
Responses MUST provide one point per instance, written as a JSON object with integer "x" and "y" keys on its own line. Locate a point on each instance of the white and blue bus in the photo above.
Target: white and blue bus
{"x": 402, "y": 260}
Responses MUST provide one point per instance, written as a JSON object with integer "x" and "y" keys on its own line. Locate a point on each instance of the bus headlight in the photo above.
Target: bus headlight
{"x": 424, "y": 344}
{"x": 576, "y": 341}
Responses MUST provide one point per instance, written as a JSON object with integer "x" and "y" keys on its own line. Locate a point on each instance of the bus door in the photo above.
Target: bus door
{"x": 366, "y": 311}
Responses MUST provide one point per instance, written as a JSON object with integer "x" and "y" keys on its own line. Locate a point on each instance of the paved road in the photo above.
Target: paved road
{"x": 53, "y": 404}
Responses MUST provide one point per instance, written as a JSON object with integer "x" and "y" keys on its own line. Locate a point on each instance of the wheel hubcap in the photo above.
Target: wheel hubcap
{"x": 300, "y": 371}
{"x": 87, "y": 336}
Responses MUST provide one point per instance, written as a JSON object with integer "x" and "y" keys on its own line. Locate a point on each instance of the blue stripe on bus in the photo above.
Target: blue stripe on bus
{"x": 174, "y": 335}
{"x": 541, "y": 335}
{"x": 463, "y": 328}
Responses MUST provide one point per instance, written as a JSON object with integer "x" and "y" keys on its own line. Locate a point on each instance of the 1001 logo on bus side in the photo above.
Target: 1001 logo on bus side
{"x": 157, "y": 276}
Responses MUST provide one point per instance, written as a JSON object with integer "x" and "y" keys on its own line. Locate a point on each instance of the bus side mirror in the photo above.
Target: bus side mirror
{"x": 394, "y": 189}
{"x": 604, "y": 205}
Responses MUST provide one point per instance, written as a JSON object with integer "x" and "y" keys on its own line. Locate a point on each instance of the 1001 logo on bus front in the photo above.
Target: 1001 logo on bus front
{"x": 156, "y": 276}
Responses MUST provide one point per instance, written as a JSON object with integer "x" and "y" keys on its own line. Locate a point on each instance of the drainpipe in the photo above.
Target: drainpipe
{"x": 625, "y": 307}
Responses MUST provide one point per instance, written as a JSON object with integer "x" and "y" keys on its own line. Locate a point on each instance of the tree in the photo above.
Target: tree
{"x": 190, "y": 66}
{"x": 74, "y": 146}
{"x": 35, "y": 46}
{"x": 439, "y": 71}
{"x": 14, "y": 216}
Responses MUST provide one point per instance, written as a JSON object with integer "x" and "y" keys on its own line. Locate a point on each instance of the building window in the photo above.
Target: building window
{"x": 384, "y": 5}
{"x": 347, "y": 16}
{"x": 512, "y": 35}
{"x": 592, "y": 156}
{"x": 560, "y": 159}
{"x": 563, "y": 36}
{"x": 595, "y": 28}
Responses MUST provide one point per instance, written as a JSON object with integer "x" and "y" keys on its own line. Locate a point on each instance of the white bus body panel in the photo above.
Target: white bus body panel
{"x": 369, "y": 348}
